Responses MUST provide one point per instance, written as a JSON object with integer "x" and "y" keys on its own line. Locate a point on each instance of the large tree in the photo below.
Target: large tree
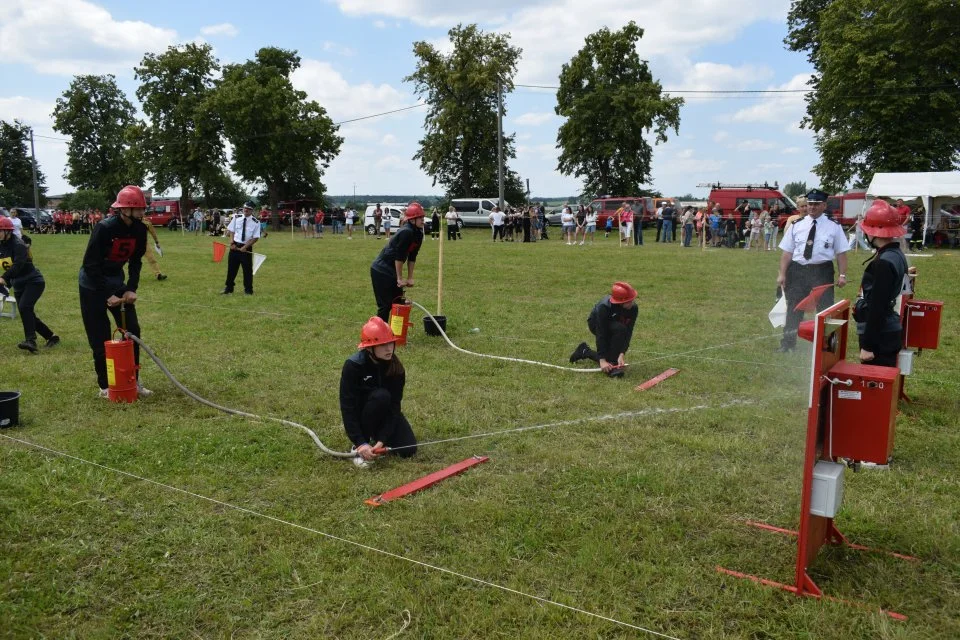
{"x": 16, "y": 167}
{"x": 280, "y": 139}
{"x": 886, "y": 88}
{"x": 95, "y": 113}
{"x": 610, "y": 99}
{"x": 459, "y": 148}
{"x": 181, "y": 144}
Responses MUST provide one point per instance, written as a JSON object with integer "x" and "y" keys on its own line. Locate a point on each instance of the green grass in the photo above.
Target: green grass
{"x": 625, "y": 518}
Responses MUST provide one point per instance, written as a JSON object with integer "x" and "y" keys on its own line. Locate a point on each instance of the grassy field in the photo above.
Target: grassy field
{"x": 624, "y": 518}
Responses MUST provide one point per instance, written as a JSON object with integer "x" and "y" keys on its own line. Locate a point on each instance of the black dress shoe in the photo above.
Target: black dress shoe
{"x": 53, "y": 341}
{"x": 160, "y": 276}
{"x": 783, "y": 349}
{"x": 226, "y": 292}
{"x": 29, "y": 345}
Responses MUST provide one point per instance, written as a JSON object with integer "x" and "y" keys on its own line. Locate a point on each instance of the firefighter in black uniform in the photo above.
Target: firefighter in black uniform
{"x": 118, "y": 240}
{"x": 878, "y": 323}
{"x": 611, "y": 321}
{"x": 18, "y": 273}
{"x": 371, "y": 391}
{"x": 386, "y": 272}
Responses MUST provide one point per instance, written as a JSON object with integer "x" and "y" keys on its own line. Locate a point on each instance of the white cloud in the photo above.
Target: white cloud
{"x": 342, "y": 100}
{"x": 388, "y": 140}
{"x": 35, "y": 113}
{"x": 791, "y": 150}
{"x": 339, "y": 49}
{"x": 379, "y": 24}
{"x": 223, "y": 29}
{"x": 778, "y": 108}
{"x": 68, "y": 37}
{"x": 753, "y": 144}
{"x": 534, "y": 119}
{"x": 683, "y": 154}
{"x": 713, "y": 76}
{"x": 721, "y": 136}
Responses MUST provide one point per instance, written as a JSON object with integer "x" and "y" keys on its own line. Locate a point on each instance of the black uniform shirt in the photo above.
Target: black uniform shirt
{"x": 604, "y": 315}
{"x": 16, "y": 263}
{"x": 882, "y": 283}
{"x": 403, "y": 247}
{"x": 112, "y": 245}
{"x": 361, "y": 376}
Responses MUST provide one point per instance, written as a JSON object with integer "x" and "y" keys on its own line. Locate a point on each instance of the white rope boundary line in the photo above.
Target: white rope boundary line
{"x": 330, "y": 536}
{"x": 564, "y": 423}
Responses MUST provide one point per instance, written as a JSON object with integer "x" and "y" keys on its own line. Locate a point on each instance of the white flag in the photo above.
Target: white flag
{"x": 156, "y": 247}
{"x": 258, "y": 259}
{"x": 778, "y": 315}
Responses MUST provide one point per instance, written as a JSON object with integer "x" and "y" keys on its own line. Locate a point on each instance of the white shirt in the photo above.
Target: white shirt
{"x": 451, "y": 217}
{"x": 17, "y": 227}
{"x": 566, "y": 217}
{"x": 591, "y": 217}
{"x": 348, "y": 216}
{"x": 241, "y": 225}
{"x": 828, "y": 242}
{"x": 497, "y": 218}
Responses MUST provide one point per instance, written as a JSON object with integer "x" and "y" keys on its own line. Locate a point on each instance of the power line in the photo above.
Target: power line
{"x": 906, "y": 89}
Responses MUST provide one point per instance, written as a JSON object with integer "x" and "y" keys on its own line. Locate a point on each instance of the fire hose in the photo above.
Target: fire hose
{"x": 235, "y": 412}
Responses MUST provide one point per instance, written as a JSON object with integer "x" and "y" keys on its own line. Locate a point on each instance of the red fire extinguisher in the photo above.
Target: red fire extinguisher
{"x": 121, "y": 367}
{"x": 400, "y": 319}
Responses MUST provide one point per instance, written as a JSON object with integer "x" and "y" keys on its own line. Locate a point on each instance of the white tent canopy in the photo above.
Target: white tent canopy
{"x": 935, "y": 189}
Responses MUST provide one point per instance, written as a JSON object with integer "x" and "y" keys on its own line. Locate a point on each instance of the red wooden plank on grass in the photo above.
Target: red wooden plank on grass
{"x": 426, "y": 481}
{"x": 657, "y": 380}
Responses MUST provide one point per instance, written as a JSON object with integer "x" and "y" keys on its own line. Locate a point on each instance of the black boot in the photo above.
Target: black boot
{"x": 29, "y": 345}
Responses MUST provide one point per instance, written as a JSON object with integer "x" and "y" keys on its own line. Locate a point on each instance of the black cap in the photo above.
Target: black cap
{"x": 248, "y": 205}
{"x": 816, "y": 195}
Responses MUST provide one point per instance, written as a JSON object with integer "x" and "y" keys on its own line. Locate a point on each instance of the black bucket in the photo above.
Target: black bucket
{"x": 431, "y": 327}
{"x": 9, "y": 408}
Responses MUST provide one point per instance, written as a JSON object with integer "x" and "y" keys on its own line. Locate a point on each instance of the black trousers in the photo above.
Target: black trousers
{"x": 385, "y": 291}
{"x": 498, "y": 231}
{"x": 379, "y": 424}
{"x": 452, "y": 231}
{"x": 885, "y": 355}
{"x": 235, "y": 261}
{"x": 800, "y": 280}
{"x": 26, "y": 300}
{"x": 619, "y": 343}
{"x": 659, "y": 229}
{"x": 99, "y": 330}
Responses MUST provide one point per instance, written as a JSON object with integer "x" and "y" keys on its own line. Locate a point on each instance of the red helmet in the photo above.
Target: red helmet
{"x": 375, "y": 331}
{"x": 882, "y": 221}
{"x": 131, "y": 196}
{"x": 6, "y": 224}
{"x": 622, "y": 292}
{"x": 414, "y": 210}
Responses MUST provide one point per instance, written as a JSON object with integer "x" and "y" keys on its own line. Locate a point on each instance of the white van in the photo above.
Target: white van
{"x": 475, "y": 212}
{"x": 396, "y": 212}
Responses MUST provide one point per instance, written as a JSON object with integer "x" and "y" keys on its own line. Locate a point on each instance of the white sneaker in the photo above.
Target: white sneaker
{"x": 581, "y": 243}
{"x": 143, "y": 392}
{"x": 104, "y": 393}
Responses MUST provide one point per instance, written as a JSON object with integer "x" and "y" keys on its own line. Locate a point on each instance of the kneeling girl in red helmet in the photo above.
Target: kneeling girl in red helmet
{"x": 371, "y": 392}
{"x": 386, "y": 272}
{"x": 117, "y": 241}
{"x": 878, "y": 323}
{"x": 611, "y": 321}
{"x": 18, "y": 273}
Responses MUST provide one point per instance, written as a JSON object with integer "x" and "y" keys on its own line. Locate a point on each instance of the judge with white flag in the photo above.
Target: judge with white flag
{"x": 243, "y": 231}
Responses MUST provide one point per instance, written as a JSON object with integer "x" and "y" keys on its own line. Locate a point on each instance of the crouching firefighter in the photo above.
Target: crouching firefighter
{"x": 18, "y": 273}
{"x": 371, "y": 392}
{"x": 611, "y": 321}
{"x": 878, "y": 323}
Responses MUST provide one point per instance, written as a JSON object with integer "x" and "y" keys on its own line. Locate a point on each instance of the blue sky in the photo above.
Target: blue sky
{"x": 356, "y": 53}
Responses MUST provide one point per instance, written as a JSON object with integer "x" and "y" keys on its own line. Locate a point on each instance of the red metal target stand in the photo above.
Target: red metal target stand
{"x": 829, "y": 338}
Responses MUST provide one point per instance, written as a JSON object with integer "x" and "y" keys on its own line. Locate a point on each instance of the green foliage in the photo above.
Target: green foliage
{"x": 222, "y": 191}
{"x": 459, "y": 147}
{"x": 886, "y": 92}
{"x": 299, "y": 139}
{"x": 96, "y": 114}
{"x": 16, "y": 167}
{"x": 795, "y": 189}
{"x": 609, "y": 100}
{"x": 87, "y": 199}
{"x": 181, "y": 144}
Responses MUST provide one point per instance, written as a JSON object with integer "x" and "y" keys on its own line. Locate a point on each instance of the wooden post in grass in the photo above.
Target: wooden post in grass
{"x": 440, "y": 269}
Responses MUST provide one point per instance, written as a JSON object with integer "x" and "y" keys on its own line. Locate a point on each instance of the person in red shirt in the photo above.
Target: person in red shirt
{"x": 904, "y": 211}
{"x": 318, "y": 223}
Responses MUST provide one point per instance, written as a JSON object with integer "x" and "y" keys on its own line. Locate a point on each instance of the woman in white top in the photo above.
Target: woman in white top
{"x": 348, "y": 219}
{"x": 566, "y": 221}
{"x": 591, "y": 222}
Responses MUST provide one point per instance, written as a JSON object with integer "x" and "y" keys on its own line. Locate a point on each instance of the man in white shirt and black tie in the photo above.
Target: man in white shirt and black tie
{"x": 809, "y": 249}
{"x": 243, "y": 231}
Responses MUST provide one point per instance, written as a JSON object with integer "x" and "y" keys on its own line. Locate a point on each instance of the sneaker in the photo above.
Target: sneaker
{"x": 160, "y": 276}
{"x": 52, "y": 341}
{"x": 142, "y": 391}
{"x": 104, "y": 393}
{"x": 580, "y": 352}
{"x": 29, "y": 345}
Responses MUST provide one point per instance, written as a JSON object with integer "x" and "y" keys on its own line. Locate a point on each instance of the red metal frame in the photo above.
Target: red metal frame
{"x": 426, "y": 481}
{"x": 656, "y": 380}
{"x": 829, "y": 347}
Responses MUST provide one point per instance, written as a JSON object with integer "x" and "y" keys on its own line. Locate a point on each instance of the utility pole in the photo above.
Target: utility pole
{"x": 36, "y": 191}
{"x": 500, "y": 140}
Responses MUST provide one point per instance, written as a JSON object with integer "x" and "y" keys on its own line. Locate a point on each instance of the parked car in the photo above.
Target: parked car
{"x": 475, "y": 212}
{"x": 396, "y": 212}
